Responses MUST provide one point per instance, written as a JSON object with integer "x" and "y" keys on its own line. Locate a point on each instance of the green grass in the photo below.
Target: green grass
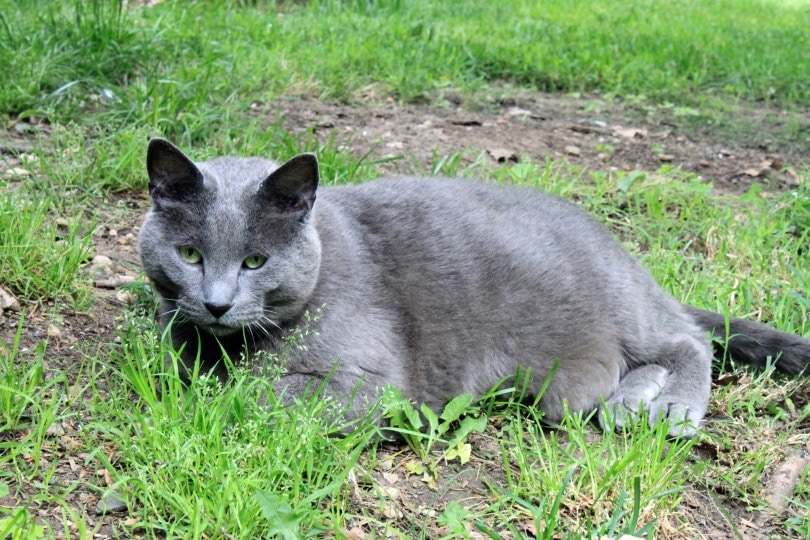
{"x": 222, "y": 462}
{"x": 199, "y": 460}
{"x": 190, "y": 69}
{"x": 29, "y": 405}
{"x": 41, "y": 257}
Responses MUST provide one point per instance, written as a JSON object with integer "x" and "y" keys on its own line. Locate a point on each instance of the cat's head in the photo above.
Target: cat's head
{"x": 229, "y": 243}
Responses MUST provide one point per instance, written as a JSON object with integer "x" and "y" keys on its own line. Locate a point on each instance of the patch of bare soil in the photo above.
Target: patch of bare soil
{"x": 586, "y": 132}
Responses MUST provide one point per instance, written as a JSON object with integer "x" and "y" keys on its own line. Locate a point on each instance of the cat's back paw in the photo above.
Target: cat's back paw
{"x": 645, "y": 390}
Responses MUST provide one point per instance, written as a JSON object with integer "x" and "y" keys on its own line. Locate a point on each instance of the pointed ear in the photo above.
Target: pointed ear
{"x": 291, "y": 187}
{"x": 172, "y": 175}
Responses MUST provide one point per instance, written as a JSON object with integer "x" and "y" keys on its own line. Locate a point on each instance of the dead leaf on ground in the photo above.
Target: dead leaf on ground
{"x": 793, "y": 178}
{"x": 630, "y": 133}
{"x": 528, "y": 528}
{"x": 69, "y": 443}
{"x": 105, "y": 474}
{"x": 8, "y": 301}
{"x": 517, "y": 111}
{"x": 391, "y": 478}
{"x": 114, "y": 282}
{"x": 760, "y": 170}
{"x": 502, "y": 155}
{"x": 357, "y": 533}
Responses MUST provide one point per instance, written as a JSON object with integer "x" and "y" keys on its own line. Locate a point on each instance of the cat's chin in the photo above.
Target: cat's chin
{"x": 221, "y": 330}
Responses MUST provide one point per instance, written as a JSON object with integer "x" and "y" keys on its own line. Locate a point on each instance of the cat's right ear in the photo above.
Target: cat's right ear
{"x": 173, "y": 177}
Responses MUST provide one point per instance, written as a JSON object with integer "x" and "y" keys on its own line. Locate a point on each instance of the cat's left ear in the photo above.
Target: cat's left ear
{"x": 291, "y": 187}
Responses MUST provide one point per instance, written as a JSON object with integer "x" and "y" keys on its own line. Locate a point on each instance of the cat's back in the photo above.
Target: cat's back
{"x": 464, "y": 214}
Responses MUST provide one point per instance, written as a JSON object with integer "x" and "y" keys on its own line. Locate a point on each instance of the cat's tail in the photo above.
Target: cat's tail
{"x": 754, "y": 343}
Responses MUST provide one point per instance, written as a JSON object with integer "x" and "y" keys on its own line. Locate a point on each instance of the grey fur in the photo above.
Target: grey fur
{"x": 436, "y": 286}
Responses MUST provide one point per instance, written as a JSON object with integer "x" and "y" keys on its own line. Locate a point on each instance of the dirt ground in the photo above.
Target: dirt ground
{"x": 587, "y": 132}
{"x": 590, "y": 133}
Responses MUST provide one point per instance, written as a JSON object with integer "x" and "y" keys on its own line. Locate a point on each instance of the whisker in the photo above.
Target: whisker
{"x": 270, "y": 322}
{"x": 266, "y": 316}
{"x": 262, "y": 329}
{"x": 249, "y": 328}
{"x": 168, "y": 312}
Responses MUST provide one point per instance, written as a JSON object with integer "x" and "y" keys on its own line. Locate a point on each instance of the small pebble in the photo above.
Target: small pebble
{"x": 111, "y": 503}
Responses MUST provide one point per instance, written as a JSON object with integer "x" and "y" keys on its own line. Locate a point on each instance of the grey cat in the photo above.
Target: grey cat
{"x": 436, "y": 286}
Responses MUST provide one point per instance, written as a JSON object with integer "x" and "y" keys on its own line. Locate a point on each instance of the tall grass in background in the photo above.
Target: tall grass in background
{"x": 188, "y": 68}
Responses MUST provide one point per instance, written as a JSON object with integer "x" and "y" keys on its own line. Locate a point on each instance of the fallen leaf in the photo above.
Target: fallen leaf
{"x": 502, "y": 155}
{"x": 114, "y": 282}
{"x": 529, "y": 528}
{"x": 391, "y": 478}
{"x": 760, "y": 170}
{"x": 356, "y": 533}
{"x": 8, "y": 301}
{"x": 517, "y": 111}
{"x": 795, "y": 179}
{"x": 105, "y": 474}
{"x": 630, "y": 133}
{"x": 69, "y": 443}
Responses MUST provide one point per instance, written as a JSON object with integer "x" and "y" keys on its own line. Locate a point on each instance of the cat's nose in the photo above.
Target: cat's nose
{"x": 217, "y": 310}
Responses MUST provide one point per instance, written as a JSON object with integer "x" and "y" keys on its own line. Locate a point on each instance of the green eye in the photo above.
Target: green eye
{"x": 189, "y": 254}
{"x": 254, "y": 261}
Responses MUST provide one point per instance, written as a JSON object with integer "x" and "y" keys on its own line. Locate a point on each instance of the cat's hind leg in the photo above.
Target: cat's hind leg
{"x": 675, "y": 389}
